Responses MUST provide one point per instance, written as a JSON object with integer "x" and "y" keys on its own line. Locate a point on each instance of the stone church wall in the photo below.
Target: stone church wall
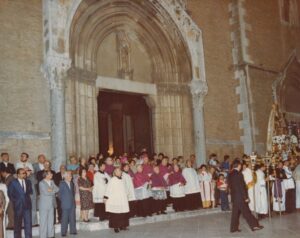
{"x": 24, "y": 94}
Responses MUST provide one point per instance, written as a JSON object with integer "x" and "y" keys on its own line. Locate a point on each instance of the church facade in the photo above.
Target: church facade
{"x": 79, "y": 77}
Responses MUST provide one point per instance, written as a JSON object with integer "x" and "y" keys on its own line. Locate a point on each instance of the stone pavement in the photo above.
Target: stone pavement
{"x": 207, "y": 226}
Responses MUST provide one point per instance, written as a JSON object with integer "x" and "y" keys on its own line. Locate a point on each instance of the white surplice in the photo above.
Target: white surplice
{"x": 261, "y": 198}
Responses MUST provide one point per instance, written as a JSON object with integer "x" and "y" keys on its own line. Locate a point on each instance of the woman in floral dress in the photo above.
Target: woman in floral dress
{"x": 85, "y": 193}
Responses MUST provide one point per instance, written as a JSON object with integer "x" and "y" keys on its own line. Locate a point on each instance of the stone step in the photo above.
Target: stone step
{"x": 95, "y": 225}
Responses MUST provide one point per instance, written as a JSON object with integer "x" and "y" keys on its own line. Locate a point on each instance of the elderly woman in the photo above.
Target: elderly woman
{"x": 85, "y": 193}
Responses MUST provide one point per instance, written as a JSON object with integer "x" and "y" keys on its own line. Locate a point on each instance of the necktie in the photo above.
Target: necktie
{"x": 23, "y": 186}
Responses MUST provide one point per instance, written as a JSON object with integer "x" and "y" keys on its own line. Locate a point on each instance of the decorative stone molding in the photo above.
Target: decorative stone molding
{"x": 199, "y": 90}
{"x": 172, "y": 88}
{"x": 189, "y": 31}
{"x": 83, "y": 76}
{"x": 54, "y": 69}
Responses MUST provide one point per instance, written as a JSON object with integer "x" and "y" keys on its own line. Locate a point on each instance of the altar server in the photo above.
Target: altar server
{"x": 101, "y": 179}
{"x": 206, "y": 191}
{"x": 176, "y": 183}
{"x": 116, "y": 202}
{"x": 249, "y": 181}
{"x": 158, "y": 187}
{"x": 192, "y": 187}
{"x": 129, "y": 189}
{"x": 278, "y": 190}
{"x": 261, "y": 198}
{"x": 289, "y": 185}
{"x": 142, "y": 192}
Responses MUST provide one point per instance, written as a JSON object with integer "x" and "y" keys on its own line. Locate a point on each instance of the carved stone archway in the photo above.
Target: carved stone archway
{"x": 73, "y": 31}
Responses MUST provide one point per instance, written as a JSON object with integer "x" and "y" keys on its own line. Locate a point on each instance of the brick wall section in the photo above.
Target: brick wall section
{"x": 221, "y": 117}
{"x": 24, "y": 95}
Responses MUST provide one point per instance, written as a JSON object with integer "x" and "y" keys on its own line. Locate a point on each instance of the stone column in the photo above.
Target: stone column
{"x": 199, "y": 91}
{"x": 55, "y": 71}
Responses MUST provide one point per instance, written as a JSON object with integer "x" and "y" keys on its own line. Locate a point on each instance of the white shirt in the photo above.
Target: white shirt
{"x": 41, "y": 166}
{"x": 23, "y": 165}
{"x": 22, "y": 183}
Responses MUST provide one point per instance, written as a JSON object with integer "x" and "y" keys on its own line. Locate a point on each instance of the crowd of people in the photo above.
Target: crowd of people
{"x": 118, "y": 188}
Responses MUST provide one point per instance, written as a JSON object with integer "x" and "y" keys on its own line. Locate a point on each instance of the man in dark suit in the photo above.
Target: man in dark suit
{"x": 8, "y": 178}
{"x": 67, "y": 197}
{"x": 5, "y": 163}
{"x": 58, "y": 177}
{"x": 240, "y": 200}
{"x": 19, "y": 191}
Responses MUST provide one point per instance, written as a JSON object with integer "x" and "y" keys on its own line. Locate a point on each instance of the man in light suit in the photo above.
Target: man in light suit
{"x": 67, "y": 197}
{"x": 19, "y": 191}
{"x": 47, "y": 189}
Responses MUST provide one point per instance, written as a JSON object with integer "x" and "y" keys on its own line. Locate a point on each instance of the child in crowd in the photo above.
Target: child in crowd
{"x": 223, "y": 188}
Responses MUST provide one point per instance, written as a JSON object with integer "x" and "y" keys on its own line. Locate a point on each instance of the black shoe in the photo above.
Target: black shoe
{"x": 63, "y": 235}
{"x": 73, "y": 233}
{"x": 124, "y": 228}
{"x": 116, "y": 230}
{"x": 163, "y": 212}
{"x": 237, "y": 230}
{"x": 256, "y": 228}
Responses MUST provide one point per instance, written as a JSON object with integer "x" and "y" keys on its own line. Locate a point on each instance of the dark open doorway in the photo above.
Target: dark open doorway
{"x": 124, "y": 123}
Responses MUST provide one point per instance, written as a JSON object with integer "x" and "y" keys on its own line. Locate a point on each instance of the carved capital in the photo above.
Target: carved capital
{"x": 55, "y": 69}
{"x": 199, "y": 90}
{"x": 81, "y": 75}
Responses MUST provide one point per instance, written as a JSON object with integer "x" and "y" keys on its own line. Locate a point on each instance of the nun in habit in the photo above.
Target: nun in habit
{"x": 192, "y": 187}
{"x": 141, "y": 183}
{"x": 130, "y": 189}
{"x": 177, "y": 182}
{"x": 116, "y": 202}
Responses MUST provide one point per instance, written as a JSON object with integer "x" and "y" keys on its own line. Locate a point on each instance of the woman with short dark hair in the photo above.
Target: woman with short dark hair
{"x": 85, "y": 193}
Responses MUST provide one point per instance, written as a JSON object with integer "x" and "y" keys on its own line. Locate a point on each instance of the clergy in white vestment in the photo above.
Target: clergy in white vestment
{"x": 192, "y": 187}
{"x": 278, "y": 190}
{"x": 296, "y": 176}
{"x": 249, "y": 181}
{"x": 101, "y": 179}
{"x": 130, "y": 189}
{"x": 261, "y": 198}
{"x": 289, "y": 185}
{"x": 206, "y": 191}
{"x": 116, "y": 202}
